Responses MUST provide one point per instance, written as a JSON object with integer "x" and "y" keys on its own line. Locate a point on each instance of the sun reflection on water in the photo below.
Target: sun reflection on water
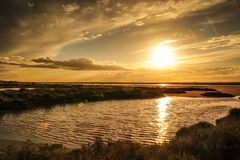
{"x": 162, "y": 113}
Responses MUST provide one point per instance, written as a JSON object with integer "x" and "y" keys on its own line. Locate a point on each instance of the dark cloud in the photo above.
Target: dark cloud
{"x": 73, "y": 64}
{"x": 78, "y": 64}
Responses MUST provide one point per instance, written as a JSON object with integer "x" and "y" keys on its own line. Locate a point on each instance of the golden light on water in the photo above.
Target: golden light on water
{"x": 162, "y": 113}
{"x": 163, "y": 85}
{"x": 162, "y": 106}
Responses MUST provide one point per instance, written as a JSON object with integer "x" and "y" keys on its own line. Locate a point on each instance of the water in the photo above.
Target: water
{"x": 146, "y": 121}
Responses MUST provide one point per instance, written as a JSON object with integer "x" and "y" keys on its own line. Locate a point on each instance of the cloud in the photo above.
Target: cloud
{"x": 42, "y": 28}
{"x": 73, "y": 64}
{"x": 203, "y": 74}
{"x": 12, "y": 59}
{"x": 69, "y": 8}
{"x": 30, "y": 4}
{"x": 103, "y": 2}
{"x": 32, "y": 29}
{"x": 231, "y": 41}
{"x": 66, "y": 70}
{"x": 228, "y": 70}
{"x": 78, "y": 64}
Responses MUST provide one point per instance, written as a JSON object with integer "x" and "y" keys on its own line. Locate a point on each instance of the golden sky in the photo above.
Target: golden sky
{"x": 120, "y": 40}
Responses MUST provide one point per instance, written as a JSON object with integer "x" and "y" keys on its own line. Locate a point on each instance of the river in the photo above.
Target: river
{"x": 146, "y": 121}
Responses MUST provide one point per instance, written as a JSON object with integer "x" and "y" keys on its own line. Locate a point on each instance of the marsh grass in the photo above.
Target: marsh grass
{"x": 45, "y": 97}
{"x": 35, "y": 95}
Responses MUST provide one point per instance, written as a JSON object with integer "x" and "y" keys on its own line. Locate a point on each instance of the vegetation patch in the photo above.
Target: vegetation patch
{"x": 30, "y": 95}
{"x": 217, "y": 94}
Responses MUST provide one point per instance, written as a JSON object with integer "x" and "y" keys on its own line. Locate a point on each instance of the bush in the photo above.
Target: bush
{"x": 235, "y": 112}
{"x": 183, "y": 132}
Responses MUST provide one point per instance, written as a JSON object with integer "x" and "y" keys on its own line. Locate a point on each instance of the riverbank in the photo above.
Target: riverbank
{"x": 30, "y": 95}
{"x": 18, "y": 145}
{"x": 47, "y": 95}
{"x": 202, "y": 141}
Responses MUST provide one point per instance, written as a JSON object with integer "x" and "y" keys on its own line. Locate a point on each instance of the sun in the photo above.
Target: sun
{"x": 163, "y": 56}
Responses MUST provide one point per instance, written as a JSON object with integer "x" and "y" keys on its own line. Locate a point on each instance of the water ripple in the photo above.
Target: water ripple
{"x": 147, "y": 121}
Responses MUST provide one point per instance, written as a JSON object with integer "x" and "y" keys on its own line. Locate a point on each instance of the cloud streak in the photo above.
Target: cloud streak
{"x": 73, "y": 64}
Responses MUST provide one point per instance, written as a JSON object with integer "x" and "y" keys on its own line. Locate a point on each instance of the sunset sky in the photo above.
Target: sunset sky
{"x": 120, "y": 40}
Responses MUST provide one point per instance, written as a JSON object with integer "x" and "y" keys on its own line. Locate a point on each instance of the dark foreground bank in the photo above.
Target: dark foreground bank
{"x": 202, "y": 141}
